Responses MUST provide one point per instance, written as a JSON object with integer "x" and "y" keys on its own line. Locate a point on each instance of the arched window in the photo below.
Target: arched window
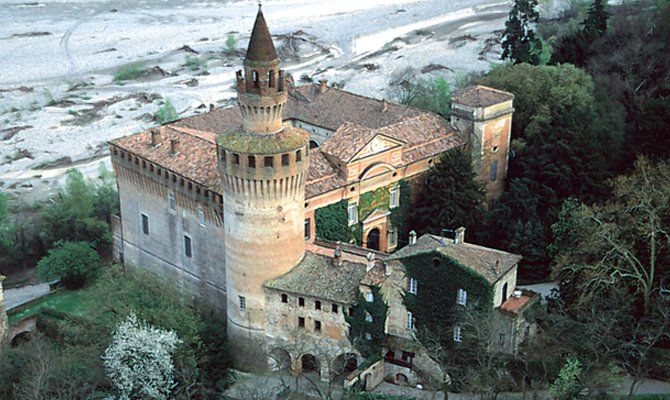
{"x": 504, "y": 292}
{"x": 254, "y": 77}
{"x": 271, "y": 78}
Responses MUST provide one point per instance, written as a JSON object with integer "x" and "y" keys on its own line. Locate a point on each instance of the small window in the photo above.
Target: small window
{"x": 301, "y": 322}
{"x": 254, "y": 78}
{"x": 393, "y": 237}
{"x": 301, "y": 302}
{"x": 271, "y": 78}
{"x": 369, "y": 297}
{"x": 171, "y": 201}
{"x": 394, "y": 200}
{"x": 236, "y": 159}
{"x": 458, "y": 336}
{"x": 493, "y": 175}
{"x": 368, "y": 336}
{"x": 298, "y": 155}
{"x": 252, "y": 161}
{"x": 268, "y": 161}
{"x": 243, "y": 303}
{"x": 317, "y": 305}
{"x": 187, "y": 247}
{"x": 201, "y": 216}
{"x": 462, "y": 297}
{"x": 368, "y": 317}
{"x": 284, "y": 298}
{"x": 333, "y": 308}
{"x": 501, "y": 337}
{"x": 317, "y": 326}
{"x": 413, "y": 286}
{"x": 353, "y": 213}
{"x": 284, "y": 160}
{"x": 308, "y": 228}
{"x": 145, "y": 224}
{"x": 410, "y": 321}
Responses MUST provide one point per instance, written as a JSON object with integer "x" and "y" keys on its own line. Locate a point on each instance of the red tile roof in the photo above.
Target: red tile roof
{"x": 515, "y": 305}
{"x": 480, "y": 96}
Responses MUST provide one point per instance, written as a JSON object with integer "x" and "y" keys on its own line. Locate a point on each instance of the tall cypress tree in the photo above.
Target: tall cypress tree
{"x": 595, "y": 23}
{"x": 520, "y": 45}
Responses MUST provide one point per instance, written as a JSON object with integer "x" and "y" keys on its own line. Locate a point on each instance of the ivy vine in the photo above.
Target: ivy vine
{"x": 367, "y": 324}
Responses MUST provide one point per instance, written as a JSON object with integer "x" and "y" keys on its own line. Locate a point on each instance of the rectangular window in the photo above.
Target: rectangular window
{"x": 462, "y": 297}
{"x": 171, "y": 201}
{"x": 395, "y": 197}
{"x": 236, "y": 159}
{"x": 252, "y": 161}
{"x": 369, "y": 297}
{"x": 353, "y": 213}
{"x": 410, "y": 321}
{"x": 187, "y": 246}
{"x": 393, "y": 237}
{"x": 201, "y": 216}
{"x": 268, "y": 161}
{"x": 284, "y": 298}
{"x": 298, "y": 156}
{"x": 308, "y": 228}
{"x": 458, "y": 337}
{"x": 494, "y": 171}
{"x": 301, "y": 322}
{"x": 243, "y": 303}
{"x": 368, "y": 336}
{"x": 317, "y": 305}
{"x": 145, "y": 224}
{"x": 413, "y": 285}
{"x": 502, "y": 339}
{"x": 301, "y": 302}
{"x": 284, "y": 160}
{"x": 368, "y": 317}
{"x": 334, "y": 308}
{"x": 317, "y": 326}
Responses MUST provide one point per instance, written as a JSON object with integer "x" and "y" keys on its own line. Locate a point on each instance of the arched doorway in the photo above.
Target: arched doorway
{"x": 21, "y": 338}
{"x": 309, "y": 363}
{"x": 313, "y": 144}
{"x": 279, "y": 360}
{"x": 504, "y": 292}
{"x": 344, "y": 364}
{"x": 372, "y": 242}
{"x": 401, "y": 379}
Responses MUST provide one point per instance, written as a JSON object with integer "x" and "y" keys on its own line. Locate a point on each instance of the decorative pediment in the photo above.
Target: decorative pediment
{"x": 375, "y": 215}
{"x": 378, "y": 144}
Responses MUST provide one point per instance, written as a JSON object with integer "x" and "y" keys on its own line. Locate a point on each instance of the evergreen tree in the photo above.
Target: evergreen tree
{"x": 520, "y": 45}
{"x": 595, "y": 23}
{"x": 574, "y": 48}
{"x": 453, "y": 196}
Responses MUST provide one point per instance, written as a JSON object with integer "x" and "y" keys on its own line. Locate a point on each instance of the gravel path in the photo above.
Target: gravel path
{"x": 22, "y": 295}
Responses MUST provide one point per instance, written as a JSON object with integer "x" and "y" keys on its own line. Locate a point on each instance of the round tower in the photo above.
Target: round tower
{"x": 263, "y": 166}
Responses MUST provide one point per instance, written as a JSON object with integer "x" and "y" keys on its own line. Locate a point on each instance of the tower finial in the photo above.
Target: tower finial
{"x": 260, "y": 5}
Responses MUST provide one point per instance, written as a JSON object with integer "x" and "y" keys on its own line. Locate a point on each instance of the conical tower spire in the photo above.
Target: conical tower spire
{"x": 261, "y": 48}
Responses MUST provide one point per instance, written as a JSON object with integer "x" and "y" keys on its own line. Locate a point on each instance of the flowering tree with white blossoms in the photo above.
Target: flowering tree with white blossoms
{"x": 138, "y": 362}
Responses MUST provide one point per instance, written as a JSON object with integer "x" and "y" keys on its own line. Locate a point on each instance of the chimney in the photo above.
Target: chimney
{"x": 211, "y": 106}
{"x": 412, "y": 237}
{"x": 323, "y": 85}
{"x": 459, "y": 237}
{"x": 174, "y": 147}
{"x": 155, "y": 137}
{"x": 371, "y": 261}
{"x": 517, "y": 293}
{"x": 385, "y": 105}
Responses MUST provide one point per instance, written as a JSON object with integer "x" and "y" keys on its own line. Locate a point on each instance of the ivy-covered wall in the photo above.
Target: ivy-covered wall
{"x": 332, "y": 221}
{"x": 360, "y": 326}
{"x": 439, "y": 277}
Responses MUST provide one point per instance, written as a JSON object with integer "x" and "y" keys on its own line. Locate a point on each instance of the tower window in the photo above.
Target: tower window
{"x": 284, "y": 159}
{"x": 334, "y": 308}
{"x": 236, "y": 159}
{"x": 284, "y": 298}
{"x": 301, "y": 302}
{"x": 171, "y": 202}
{"x": 271, "y": 78}
{"x": 317, "y": 326}
{"x": 188, "y": 251}
{"x": 254, "y": 77}
{"x": 145, "y": 224}
{"x": 252, "y": 162}
{"x": 201, "y": 216}
{"x": 308, "y": 228}
{"x": 317, "y": 305}
{"x": 243, "y": 303}
{"x": 268, "y": 161}
{"x": 301, "y": 322}
{"x": 298, "y": 156}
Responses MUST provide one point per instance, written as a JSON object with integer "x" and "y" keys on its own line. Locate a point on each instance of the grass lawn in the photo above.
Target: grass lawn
{"x": 80, "y": 302}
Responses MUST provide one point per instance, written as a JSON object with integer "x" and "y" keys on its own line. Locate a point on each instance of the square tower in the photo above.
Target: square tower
{"x": 484, "y": 115}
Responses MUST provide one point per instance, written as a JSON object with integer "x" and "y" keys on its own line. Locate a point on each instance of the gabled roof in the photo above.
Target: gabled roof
{"x": 480, "y": 96}
{"x": 491, "y": 263}
{"x": 261, "y": 48}
{"x": 375, "y": 215}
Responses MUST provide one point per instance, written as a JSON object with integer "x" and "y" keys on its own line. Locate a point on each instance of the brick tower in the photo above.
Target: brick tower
{"x": 264, "y": 167}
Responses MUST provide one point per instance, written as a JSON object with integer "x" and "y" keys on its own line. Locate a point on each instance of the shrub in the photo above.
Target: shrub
{"x": 195, "y": 63}
{"x": 166, "y": 113}
{"x": 129, "y": 72}
{"x": 74, "y": 263}
{"x": 231, "y": 44}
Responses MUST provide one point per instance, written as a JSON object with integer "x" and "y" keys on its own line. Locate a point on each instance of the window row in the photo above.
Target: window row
{"x": 268, "y": 161}
{"x": 188, "y": 249}
{"x": 317, "y": 304}
{"x": 200, "y": 211}
{"x": 169, "y": 176}
{"x": 317, "y": 324}
{"x": 394, "y": 201}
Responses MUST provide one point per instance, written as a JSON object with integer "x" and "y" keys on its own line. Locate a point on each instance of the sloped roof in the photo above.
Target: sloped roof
{"x": 480, "y": 96}
{"x": 491, "y": 263}
{"x": 347, "y": 141}
{"x": 317, "y": 276}
{"x": 261, "y": 48}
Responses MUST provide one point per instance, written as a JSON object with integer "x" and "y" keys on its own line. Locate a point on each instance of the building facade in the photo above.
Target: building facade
{"x": 225, "y": 203}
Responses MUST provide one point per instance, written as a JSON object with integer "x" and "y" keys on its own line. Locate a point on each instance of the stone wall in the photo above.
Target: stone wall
{"x": 3, "y": 315}
{"x": 510, "y": 279}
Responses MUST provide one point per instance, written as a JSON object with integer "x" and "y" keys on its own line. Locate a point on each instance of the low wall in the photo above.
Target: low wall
{"x": 367, "y": 378}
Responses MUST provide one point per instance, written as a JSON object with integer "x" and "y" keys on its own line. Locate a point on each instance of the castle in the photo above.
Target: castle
{"x": 241, "y": 208}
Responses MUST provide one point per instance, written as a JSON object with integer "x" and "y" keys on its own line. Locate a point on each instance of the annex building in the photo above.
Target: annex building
{"x": 242, "y": 206}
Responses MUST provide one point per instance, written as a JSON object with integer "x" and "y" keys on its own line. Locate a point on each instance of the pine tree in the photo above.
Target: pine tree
{"x": 453, "y": 196}
{"x": 520, "y": 43}
{"x": 595, "y": 23}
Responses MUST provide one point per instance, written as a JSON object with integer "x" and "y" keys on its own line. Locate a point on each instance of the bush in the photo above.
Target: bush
{"x": 195, "y": 63}
{"x": 129, "y": 72}
{"x": 231, "y": 44}
{"x": 74, "y": 263}
{"x": 166, "y": 113}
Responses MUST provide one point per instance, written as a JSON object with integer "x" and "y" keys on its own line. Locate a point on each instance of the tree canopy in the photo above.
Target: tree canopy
{"x": 520, "y": 44}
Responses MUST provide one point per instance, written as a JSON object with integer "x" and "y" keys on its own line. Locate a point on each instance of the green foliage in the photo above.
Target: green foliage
{"x": 520, "y": 45}
{"x": 453, "y": 196}
{"x": 440, "y": 277}
{"x": 74, "y": 263}
{"x": 231, "y": 44}
{"x": 129, "y": 72}
{"x": 595, "y": 23}
{"x": 568, "y": 386}
{"x": 573, "y": 48}
{"x": 106, "y": 195}
{"x": 332, "y": 223}
{"x": 72, "y": 217}
{"x": 432, "y": 95}
{"x": 379, "y": 396}
{"x": 361, "y": 327}
{"x": 6, "y": 225}
{"x": 166, "y": 113}
{"x": 195, "y": 63}
{"x": 401, "y": 215}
